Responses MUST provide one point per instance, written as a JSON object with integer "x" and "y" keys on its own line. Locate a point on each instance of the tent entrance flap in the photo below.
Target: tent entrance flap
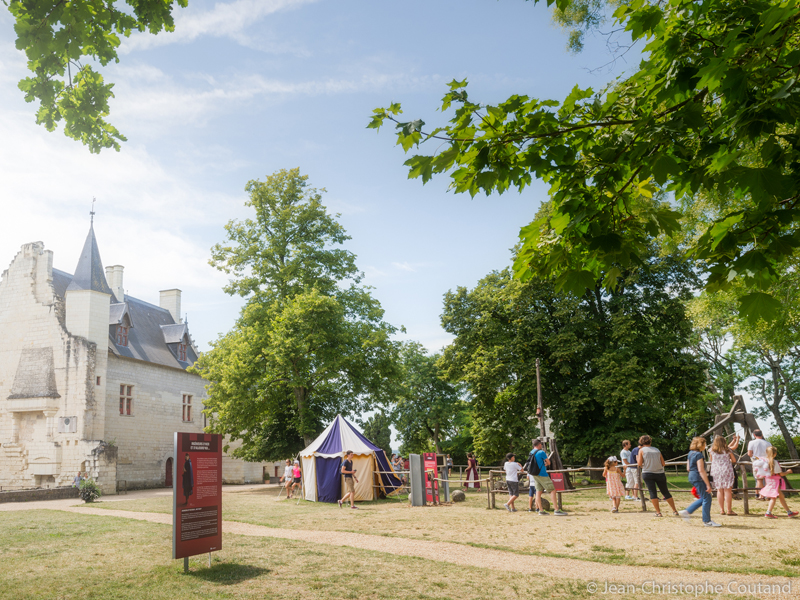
{"x": 329, "y": 487}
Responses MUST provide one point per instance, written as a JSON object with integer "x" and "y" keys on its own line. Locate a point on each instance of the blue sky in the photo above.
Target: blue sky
{"x": 246, "y": 87}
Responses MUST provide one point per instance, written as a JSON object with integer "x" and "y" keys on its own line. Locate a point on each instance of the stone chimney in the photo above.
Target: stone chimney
{"x": 114, "y": 278}
{"x": 171, "y": 300}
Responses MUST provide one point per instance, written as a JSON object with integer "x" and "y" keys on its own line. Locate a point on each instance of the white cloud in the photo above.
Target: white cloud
{"x": 150, "y": 100}
{"x": 404, "y": 266}
{"x": 224, "y": 20}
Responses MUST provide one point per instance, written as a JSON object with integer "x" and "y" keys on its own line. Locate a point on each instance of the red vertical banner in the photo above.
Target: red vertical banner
{"x": 431, "y": 485}
{"x": 196, "y": 494}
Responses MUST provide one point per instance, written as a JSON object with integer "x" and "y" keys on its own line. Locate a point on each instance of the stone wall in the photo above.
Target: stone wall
{"x": 58, "y": 493}
{"x": 32, "y": 328}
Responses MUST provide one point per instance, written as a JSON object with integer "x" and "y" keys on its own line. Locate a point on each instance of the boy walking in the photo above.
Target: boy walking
{"x": 512, "y": 469}
{"x": 349, "y": 475}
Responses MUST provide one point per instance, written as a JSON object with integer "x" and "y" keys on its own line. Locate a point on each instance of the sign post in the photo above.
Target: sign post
{"x": 196, "y": 495}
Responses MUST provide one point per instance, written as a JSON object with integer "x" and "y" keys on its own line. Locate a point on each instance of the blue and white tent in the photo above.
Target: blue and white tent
{"x": 322, "y": 465}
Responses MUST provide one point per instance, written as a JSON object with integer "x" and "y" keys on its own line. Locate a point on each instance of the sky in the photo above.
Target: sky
{"x": 245, "y": 88}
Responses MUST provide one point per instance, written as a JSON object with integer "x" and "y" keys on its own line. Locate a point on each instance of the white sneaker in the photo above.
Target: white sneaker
{"x": 628, "y": 497}
{"x": 685, "y": 515}
{"x": 712, "y": 524}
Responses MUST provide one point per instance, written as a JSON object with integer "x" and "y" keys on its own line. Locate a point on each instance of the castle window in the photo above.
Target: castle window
{"x": 122, "y": 335}
{"x": 182, "y": 352}
{"x": 126, "y": 400}
{"x": 187, "y": 407}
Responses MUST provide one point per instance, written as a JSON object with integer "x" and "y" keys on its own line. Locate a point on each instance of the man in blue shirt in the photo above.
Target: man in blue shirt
{"x": 540, "y": 480}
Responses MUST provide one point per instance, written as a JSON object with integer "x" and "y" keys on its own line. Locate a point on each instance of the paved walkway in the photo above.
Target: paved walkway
{"x": 560, "y": 568}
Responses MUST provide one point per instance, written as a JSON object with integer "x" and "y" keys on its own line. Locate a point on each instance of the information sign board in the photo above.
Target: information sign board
{"x": 196, "y": 494}
{"x": 431, "y": 487}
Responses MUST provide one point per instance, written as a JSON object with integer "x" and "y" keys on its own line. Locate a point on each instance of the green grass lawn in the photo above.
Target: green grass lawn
{"x": 585, "y": 535}
{"x": 55, "y": 555}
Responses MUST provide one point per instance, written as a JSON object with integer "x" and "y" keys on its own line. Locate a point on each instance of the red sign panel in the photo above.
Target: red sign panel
{"x": 431, "y": 487}
{"x": 197, "y": 494}
{"x": 558, "y": 481}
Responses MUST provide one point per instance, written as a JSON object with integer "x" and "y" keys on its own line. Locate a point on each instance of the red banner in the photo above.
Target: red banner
{"x": 196, "y": 494}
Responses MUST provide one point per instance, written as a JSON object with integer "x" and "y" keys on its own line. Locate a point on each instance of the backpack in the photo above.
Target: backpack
{"x": 532, "y": 466}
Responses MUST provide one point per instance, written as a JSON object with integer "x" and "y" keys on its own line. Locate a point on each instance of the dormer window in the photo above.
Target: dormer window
{"x": 122, "y": 335}
{"x": 182, "y": 352}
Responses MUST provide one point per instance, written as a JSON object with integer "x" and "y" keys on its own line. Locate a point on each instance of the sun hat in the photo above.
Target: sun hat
{"x": 612, "y": 459}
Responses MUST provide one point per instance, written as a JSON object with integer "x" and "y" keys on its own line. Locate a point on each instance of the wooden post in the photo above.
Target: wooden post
{"x": 641, "y": 488}
{"x": 540, "y": 409}
{"x": 185, "y": 564}
{"x": 745, "y": 491}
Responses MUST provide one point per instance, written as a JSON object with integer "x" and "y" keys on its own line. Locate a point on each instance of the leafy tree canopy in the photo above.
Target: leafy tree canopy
{"x": 376, "y": 429}
{"x": 310, "y": 341}
{"x": 614, "y": 364}
{"x": 62, "y": 39}
{"x": 428, "y": 407}
{"x": 713, "y": 109}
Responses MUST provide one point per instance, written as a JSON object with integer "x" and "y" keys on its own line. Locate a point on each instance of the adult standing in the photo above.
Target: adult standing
{"x": 349, "y": 475}
{"x": 757, "y": 450}
{"x": 76, "y": 481}
{"x": 287, "y": 478}
{"x": 653, "y": 475}
{"x": 541, "y": 479}
{"x": 473, "y": 480}
{"x": 449, "y": 465}
{"x": 631, "y": 473}
{"x": 698, "y": 477}
{"x": 722, "y": 461}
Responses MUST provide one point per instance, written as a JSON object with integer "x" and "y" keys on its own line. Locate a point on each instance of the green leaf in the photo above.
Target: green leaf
{"x": 759, "y": 305}
{"x": 576, "y": 281}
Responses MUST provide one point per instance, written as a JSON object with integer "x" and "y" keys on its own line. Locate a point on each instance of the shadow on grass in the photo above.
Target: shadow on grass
{"x": 228, "y": 573}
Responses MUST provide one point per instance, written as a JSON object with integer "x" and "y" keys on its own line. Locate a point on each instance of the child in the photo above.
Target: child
{"x": 296, "y": 476}
{"x": 614, "y": 487}
{"x": 775, "y": 484}
{"x": 513, "y": 469}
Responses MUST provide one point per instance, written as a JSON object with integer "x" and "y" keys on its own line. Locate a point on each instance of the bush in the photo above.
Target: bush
{"x": 780, "y": 445}
{"x": 89, "y": 492}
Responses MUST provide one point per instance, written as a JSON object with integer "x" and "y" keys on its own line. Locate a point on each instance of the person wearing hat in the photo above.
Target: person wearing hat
{"x": 614, "y": 488}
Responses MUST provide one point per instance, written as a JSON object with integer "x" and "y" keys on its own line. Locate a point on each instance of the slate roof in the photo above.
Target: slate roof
{"x": 89, "y": 274}
{"x": 146, "y": 338}
{"x": 118, "y": 312}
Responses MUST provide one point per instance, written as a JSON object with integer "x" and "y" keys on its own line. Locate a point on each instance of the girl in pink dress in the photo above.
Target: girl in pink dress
{"x": 614, "y": 487}
{"x": 775, "y": 484}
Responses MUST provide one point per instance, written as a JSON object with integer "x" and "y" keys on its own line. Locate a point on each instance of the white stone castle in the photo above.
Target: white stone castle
{"x": 92, "y": 379}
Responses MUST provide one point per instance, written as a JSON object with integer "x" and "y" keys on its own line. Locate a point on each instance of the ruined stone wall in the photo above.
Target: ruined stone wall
{"x": 45, "y": 374}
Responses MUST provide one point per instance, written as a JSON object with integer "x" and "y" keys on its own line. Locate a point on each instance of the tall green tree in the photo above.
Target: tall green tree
{"x": 61, "y": 39}
{"x": 310, "y": 342}
{"x": 763, "y": 357}
{"x": 378, "y": 431}
{"x": 613, "y": 364}
{"x": 427, "y": 408}
{"x": 713, "y": 107}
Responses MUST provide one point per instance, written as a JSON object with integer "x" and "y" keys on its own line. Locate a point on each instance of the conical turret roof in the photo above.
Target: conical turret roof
{"x": 89, "y": 274}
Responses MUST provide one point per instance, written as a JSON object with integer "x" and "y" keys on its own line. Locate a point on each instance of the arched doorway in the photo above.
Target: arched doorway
{"x": 168, "y": 476}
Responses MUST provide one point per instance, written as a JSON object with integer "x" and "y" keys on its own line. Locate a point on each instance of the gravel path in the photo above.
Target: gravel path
{"x": 468, "y": 556}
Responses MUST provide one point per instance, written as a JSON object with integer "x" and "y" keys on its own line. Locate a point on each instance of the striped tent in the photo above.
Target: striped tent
{"x": 322, "y": 465}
